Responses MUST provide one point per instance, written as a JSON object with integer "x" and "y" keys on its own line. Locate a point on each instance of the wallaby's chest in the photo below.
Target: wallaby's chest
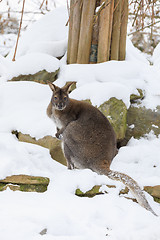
{"x": 59, "y": 118}
{"x": 57, "y": 122}
{"x": 63, "y": 118}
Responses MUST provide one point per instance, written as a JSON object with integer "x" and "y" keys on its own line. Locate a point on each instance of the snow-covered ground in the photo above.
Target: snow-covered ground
{"x": 23, "y": 108}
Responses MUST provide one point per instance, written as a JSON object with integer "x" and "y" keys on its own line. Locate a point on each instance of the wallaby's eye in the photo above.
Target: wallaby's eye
{"x": 65, "y": 98}
{"x": 55, "y": 98}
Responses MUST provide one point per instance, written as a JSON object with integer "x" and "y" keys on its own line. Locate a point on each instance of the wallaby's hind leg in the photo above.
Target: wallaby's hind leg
{"x": 68, "y": 154}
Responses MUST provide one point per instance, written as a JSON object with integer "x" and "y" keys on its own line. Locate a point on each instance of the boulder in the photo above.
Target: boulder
{"x": 139, "y": 96}
{"x": 116, "y": 112}
{"x": 153, "y": 191}
{"x": 52, "y": 143}
{"x": 24, "y": 183}
{"x": 92, "y": 192}
{"x": 140, "y": 121}
{"x": 40, "y": 77}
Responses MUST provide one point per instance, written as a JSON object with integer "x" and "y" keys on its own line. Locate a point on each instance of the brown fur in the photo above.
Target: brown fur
{"x": 88, "y": 139}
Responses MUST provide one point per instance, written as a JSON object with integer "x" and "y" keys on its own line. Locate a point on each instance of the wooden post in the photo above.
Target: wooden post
{"x": 104, "y": 28}
{"x": 70, "y": 31}
{"x": 110, "y": 27}
{"x": 85, "y": 36}
{"x": 74, "y": 29}
{"x": 116, "y": 30}
{"x": 100, "y": 37}
{"x": 123, "y": 30}
{"x": 94, "y": 43}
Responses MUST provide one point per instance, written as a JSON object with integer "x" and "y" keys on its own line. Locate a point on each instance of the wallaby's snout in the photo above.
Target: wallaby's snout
{"x": 61, "y": 106}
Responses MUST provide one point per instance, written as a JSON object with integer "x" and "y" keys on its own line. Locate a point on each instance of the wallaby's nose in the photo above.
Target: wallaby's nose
{"x": 60, "y": 105}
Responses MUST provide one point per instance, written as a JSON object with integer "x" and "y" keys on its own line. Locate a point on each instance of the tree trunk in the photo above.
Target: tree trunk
{"x": 74, "y": 29}
{"x": 70, "y": 31}
{"x": 97, "y": 34}
{"x": 123, "y": 30}
{"x": 85, "y": 37}
{"x": 116, "y": 30}
{"x": 110, "y": 26}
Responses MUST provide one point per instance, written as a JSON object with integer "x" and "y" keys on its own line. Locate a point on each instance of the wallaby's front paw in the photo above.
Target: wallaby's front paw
{"x": 70, "y": 165}
{"x": 59, "y": 136}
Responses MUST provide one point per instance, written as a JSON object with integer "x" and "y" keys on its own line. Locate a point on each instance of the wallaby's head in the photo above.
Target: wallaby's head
{"x": 60, "y": 96}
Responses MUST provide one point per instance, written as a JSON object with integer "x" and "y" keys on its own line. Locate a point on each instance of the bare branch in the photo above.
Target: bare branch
{"x": 140, "y": 29}
{"x": 19, "y": 31}
{"x": 42, "y": 4}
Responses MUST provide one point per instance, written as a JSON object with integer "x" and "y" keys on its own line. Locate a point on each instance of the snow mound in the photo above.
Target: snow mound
{"x": 32, "y": 63}
{"x": 99, "y": 93}
{"x": 50, "y": 27}
{"x": 23, "y": 108}
{"x": 53, "y": 48}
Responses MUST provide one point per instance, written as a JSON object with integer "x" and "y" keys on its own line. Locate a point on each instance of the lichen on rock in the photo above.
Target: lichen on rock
{"x": 40, "y": 77}
{"x": 116, "y": 112}
{"x": 141, "y": 121}
{"x": 24, "y": 183}
{"x": 52, "y": 143}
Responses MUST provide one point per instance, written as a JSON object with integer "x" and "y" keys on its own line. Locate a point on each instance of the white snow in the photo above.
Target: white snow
{"x": 51, "y": 27}
{"x": 23, "y": 108}
{"x": 147, "y": 158}
{"x": 98, "y": 93}
{"x": 122, "y": 78}
{"x": 54, "y": 48}
{"x": 24, "y": 65}
{"x": 11, "y": 10}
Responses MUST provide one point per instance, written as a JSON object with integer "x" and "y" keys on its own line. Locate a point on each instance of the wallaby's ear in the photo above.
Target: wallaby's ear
{"x": 52, "y": 86}
{"x": 68, "y": 86}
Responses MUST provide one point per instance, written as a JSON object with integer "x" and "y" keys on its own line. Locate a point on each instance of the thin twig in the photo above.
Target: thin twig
{"x": 138, "y": 30}
{"x": 19, "y": 32}
{"x": 116, "y": 5}
{"x": 146, "y": 15}
{"x": 136, "y": 15}
{"x": 71, "y": 8}
{"x": 42, "y": 4}
{"x": 28, "y": 12}
{"x": 103, "y": 6}
{"x": 68, "y": 7}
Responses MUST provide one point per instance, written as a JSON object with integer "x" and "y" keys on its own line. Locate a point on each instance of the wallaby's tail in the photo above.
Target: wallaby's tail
{"x": 133, "y": 187}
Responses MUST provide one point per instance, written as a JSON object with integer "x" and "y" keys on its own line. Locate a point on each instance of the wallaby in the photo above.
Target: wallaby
{"x": 88, "y": 139}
